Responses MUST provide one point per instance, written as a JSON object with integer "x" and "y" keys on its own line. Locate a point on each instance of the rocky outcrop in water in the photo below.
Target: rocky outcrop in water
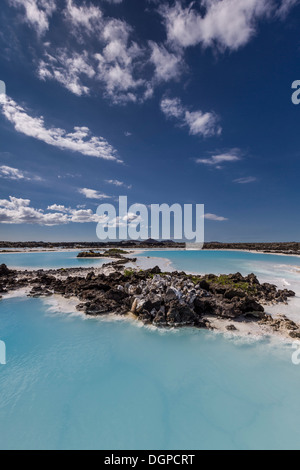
{"x": 113, "y": 253}
{"x": 160, "y": 299}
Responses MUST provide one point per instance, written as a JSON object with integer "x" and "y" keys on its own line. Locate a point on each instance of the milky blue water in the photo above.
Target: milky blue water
{"x": 226, "y": 262}
{"x": 50, "y": 260}
{"x": 72, "y": 383}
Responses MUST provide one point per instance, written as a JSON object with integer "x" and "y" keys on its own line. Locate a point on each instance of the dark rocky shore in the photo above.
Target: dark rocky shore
{"x": 147, "y": 244}
{"x": 161, "y": 299}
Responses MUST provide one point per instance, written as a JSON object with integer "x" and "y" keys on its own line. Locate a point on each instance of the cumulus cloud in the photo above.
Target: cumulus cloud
{"x": 57, "y": 208}
{"x": 216, "y": 160}
{"x": 80, "y": 140}
{"x": 215, "y": 218}
{"x": 225, "y": 24}
{"x": 84, "y": 216}
{"x": 36, "y": 12}
{"x": 92, "y": 194}
{"x": 199, "y": 123}
{"x": 19, "y": 211}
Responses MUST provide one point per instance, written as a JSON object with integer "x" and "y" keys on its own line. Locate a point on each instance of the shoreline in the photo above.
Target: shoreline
{"x": 167, "y": 263}
{"x": 58, "y": 305}
{"x": 163, "y": 299}
{"x": 224, "y": 250}
{"x": 144, "y": 250}
{"x": 227, "y": 326}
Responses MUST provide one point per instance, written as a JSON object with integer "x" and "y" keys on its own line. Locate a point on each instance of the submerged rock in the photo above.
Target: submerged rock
{"x": 231, "y": 328}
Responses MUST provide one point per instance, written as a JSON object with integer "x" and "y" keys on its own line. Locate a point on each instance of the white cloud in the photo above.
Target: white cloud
{"x": 83, "y": 216}
{"x": 217, "y": 160}
{"x": 10, "y": 173}
{"x": 118, "y": 61}
{"x": 172, "y": 108}
{"x": 84, "y": 16}
{"x": 69, "y": 175}
{"x": 57, "y": 208}
{"x": 67, "y": 69}
{"x": 19, "y": 211}
{"x": 37, "y": 12}
{"x": 225, "y": 24}
{"x": 92, "y": 194}
{"x": 114, "y": 64}
{"x": 100, "y": 54}
{"x": 202, "y": 123}
{"x": 119, "y": 184}
{"x": 168, "y": 65}
{"x": 246, "y": 180}
{"x": 215, "y": 218}
{"x": 199, "y": 123}
{"x": 80, "y": 140}
{"x": 14, "y": 174}
{"x": 14, "y": 202}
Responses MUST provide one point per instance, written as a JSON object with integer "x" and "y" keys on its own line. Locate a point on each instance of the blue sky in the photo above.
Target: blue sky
{"x": 165, "y": 102}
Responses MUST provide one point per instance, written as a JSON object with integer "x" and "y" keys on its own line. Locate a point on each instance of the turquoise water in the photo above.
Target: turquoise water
{"x": 50, "y": 260}
{"x": 88, "y": 384}
{"x": 226, "y": 262}
{"x": 73, "y": 383}
{"x": 217, "y": 262}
